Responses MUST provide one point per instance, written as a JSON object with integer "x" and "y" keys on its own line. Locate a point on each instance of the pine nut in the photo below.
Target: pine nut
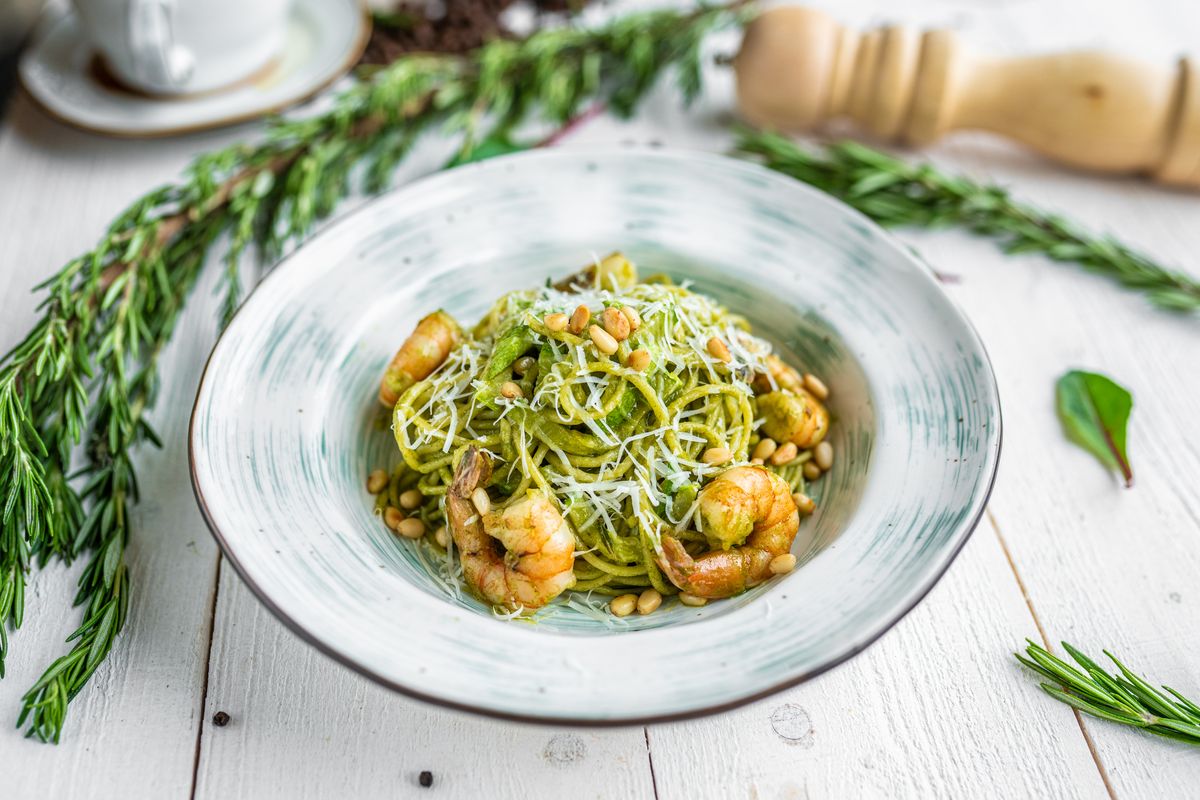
{"x": 649, "y": 601}
{"x": 392, "y": 517}
{"x": 716, "y": 455}
{"x": 615, "y": 323}
{"x": 639, "y": 360}
{"x": 483, "y": 503}
{"x": 579, "y": 320}
{"x": 823, "y": 455}
{"x": 442, "y": 536}
{"x": 631, "y": 314}
{"x": 782, "y": 564}
{"x": 758, "y": 462}
{"x": 623, "y": 606}
{"x": 376, "y": 481}
{"x": 810, "y": 471}
{"x": 804, "y": 503}
{"x": 411, "y": 499}
{"x": 411, "y": 528}
{"x": 511, "y": 390}
{"x": 764, "y": 449}
{"x": 718, "y": 350}
{"x": 785, "y": 453}
{"x": 816, "y": 387}
{"x": 691, "y": 599}
{"x": 604, "y": 343}
{"x": 555, "y": 322}
{"x": 523, "y": 364}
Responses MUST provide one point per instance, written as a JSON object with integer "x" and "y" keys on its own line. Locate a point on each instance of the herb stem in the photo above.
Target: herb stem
{"x": 88, "y": 369}
{"x": 896, "y": 193}
{"x": 1124, "y": 698}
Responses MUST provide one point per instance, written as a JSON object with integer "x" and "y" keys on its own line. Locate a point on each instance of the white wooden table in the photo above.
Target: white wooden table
{"x": 937, "y": 708}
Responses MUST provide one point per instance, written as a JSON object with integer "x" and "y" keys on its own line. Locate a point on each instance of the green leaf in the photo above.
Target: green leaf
{"x": 112, "y": 559}
{"x": 101, "y": 641}
{"x": 669, "y": 386}
{"x": 684, "y": 497}
{"x": 623, "y": 409}
{"x": 89, "y": 365}
{"x": 509, "y": 347}
{"x": 1095, "y": 412}
{"x": 264, "y": 182}
{"x": 545, "y": 361}
{"x": 495, "y": 144}
{"x": 873, "y": 182}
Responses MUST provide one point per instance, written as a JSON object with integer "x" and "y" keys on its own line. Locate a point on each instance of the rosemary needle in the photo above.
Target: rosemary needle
{"x": 1124, "y": 698}
{"x": 88, "y": 370}
{"x": 897, "y": 193}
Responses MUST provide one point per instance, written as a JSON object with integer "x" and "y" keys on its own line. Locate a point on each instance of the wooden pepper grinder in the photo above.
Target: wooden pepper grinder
{"x": 798, "y": 68}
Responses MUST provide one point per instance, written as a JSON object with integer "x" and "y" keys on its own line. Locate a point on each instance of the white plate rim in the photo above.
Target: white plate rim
{"x": 853, "y": 646}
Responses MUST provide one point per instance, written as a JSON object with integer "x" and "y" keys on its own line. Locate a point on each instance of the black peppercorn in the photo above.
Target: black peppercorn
{"x": 425, "y": 778}
{"x": 220, "y": 719}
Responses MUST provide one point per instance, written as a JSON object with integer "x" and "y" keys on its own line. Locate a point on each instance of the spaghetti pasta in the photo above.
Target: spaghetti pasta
{"x": 617, "y": 444}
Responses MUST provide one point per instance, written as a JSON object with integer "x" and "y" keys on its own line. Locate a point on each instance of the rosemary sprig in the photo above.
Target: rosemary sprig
{"x": 144, "y": 309}
{"x": 1125, "y": 698}
{"x": 895, "y": 193}
{"x": 88, "y": 369}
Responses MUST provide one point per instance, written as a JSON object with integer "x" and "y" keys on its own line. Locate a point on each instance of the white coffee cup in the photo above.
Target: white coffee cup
{"x": 184, "y": 46}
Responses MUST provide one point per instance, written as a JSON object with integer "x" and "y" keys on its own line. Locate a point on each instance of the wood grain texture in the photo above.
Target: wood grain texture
{"x": 1092, "y": 108}
{"x": 1105, "y": 567}
{"x": 936, "y": 708}
{"x": 132, "y": 732}
{"x": 302, "y": 726}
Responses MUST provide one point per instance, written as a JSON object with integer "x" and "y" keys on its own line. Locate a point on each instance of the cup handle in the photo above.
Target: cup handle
{"x": 157, "y": 59}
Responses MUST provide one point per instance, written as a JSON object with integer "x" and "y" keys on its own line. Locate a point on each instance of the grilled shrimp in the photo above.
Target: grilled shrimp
{"x": 794, "y": 416}
{"x": 614, "y": 272}
{"x": 521, "y": 556}
{"x": 422, "y": 352}
{"x": 786, "y": 377}
{"x": 742, "y": 504}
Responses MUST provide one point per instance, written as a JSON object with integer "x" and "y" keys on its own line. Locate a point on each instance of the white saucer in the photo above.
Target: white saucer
{"x": 325, "y": 38}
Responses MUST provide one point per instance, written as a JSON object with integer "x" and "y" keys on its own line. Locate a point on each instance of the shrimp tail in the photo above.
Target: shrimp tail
{"x": 519, "y": 556}
{"x": 750, "y": 518}
{"x": 676, "y": 563}
{"x": 720, "y": 573}
{"x": 465, "y": 525}
{"x": 473, "y": 471}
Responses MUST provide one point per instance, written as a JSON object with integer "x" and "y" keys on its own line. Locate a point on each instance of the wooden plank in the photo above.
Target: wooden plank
{"x": 936, "y": 708}
{"x": 302, "y": 726}
{"x": 722, "y": 754}
{"x": 133, "y": 729}
{"x": 1105, "y": 567}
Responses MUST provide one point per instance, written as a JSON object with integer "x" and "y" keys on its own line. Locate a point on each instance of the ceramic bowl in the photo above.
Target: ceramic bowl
{"x": 282, "y": 434}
